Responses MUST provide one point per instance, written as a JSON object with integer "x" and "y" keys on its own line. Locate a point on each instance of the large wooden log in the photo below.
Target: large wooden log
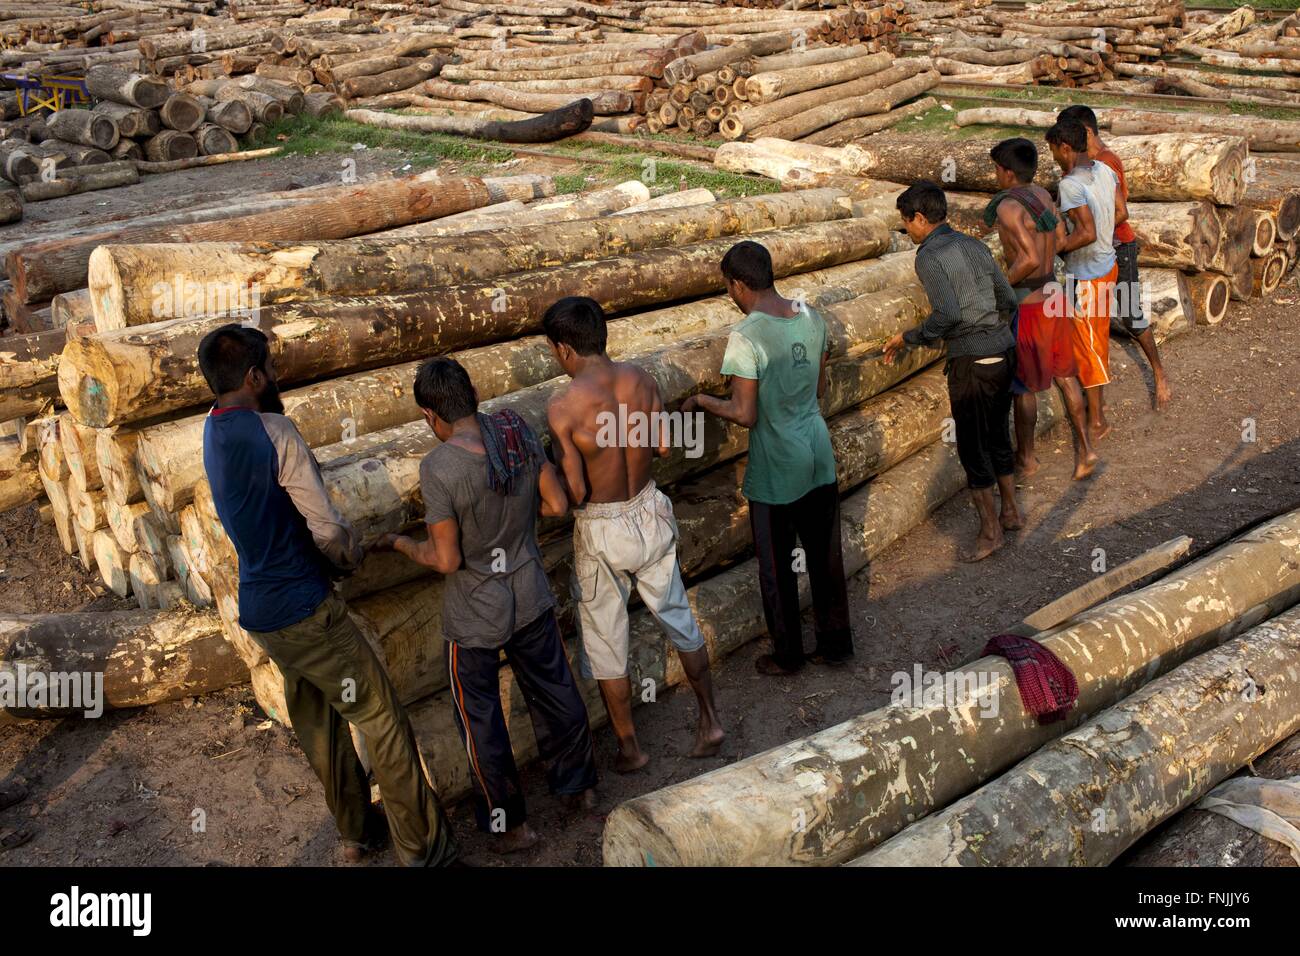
{"x": 1168, "y": 167}
{"x": 122, "y": 279}
{"x": 858, "y": 783}
{"x": 44, "y": 269}
{"x": 773, "y": 85}
{"x": 123, "y": 86}
{"x": 1209, "y": 296}
{"x": 1266, "y": 135}
{"x": 169, "y": 145}
{"x": 86, "y": 179}
{"x": 87, "y": 127}
{"x": 20, "y": 481}
{"x": 28, "y": 372}
{"x": 878, "y": 101}
{"x": 145, "y": 657}
{"x": 131, "y": 120}
{"x": 181, "y": 112}
{"x": 1084, "y": 799}
{"x": 545, "y": 128}
{"x": 1176, "y": 235}
{"x": 129, "y": 374}
{"x": 607, "y": 103}
{"x": 864, "y": 126}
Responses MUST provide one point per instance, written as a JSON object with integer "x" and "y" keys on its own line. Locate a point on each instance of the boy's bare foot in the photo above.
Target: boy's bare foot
{"x": 630, "y": 762}
{"x": 1084, "y": 466}
{"x": 1011, "y": 520}
{"x": 984, "y": 546}
{"x": 1163, "y": 393}
{"x": 1100, "y": 431}
{"x": 522, "y": 837}
{"x": 708, "y": 741}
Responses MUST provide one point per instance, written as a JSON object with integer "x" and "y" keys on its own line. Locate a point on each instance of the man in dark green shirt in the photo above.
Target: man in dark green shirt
{"x": 776, "y": 358}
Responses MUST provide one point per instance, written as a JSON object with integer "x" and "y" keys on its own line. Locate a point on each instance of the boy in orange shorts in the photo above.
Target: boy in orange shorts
{"x": 1089, "y": 193}
{"x": 1027, "y": 221}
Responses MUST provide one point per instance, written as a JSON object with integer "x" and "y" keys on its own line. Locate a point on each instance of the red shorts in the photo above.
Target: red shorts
{"x": 1044, "y": 346}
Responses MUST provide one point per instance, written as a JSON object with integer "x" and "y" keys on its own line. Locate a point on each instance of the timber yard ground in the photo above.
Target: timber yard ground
{"x": 122, "y": 790}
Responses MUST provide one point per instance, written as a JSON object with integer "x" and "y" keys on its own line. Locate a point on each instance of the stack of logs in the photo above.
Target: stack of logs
{"x": 129, "y": 445}
{"x": 1215, "y": 224}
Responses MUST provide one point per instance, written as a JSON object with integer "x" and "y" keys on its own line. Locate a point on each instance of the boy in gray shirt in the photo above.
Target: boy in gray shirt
{"x": 482, "y": 489}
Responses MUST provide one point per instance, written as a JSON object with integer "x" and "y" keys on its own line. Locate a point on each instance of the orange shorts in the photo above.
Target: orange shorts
{"x": 1090, "y": 327}
{"x": 1044, "y": 346}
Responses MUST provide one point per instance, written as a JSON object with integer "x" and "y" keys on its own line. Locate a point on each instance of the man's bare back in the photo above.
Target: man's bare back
{"x": 1028, "y": 251}
{"x": 602, "y": 455}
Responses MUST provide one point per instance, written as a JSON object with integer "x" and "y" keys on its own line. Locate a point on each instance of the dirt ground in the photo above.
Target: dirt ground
{"x": 132, "y": 788}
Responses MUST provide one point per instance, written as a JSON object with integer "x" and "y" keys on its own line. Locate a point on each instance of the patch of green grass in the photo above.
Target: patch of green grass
{"x": 312, "y": 136}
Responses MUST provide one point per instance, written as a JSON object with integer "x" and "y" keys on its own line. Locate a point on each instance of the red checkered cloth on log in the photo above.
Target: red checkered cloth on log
{"x": 1047, "y": 687}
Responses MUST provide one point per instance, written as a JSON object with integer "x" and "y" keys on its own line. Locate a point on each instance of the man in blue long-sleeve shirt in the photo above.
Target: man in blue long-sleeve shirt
{"x": 291, "y": 540}
{"x": 971, "y": 303}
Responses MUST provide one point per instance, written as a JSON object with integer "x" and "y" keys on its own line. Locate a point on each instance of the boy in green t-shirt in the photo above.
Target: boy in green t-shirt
{"x": 776, "y": 358}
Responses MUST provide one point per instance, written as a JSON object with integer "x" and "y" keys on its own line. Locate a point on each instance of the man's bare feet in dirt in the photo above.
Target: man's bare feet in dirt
{"x": 1027, "y": 467}
{"x": 522, "y": 837}
{"x": 1163, "y": 393}
{"x": 1099, "y": 431}
{"x": 708, "y": 740}
{"x": 1011, "y": 519}
{"x": 13, "y": 839}
{"x": 630, "y": 762}
{"x": 984, "y": 546}
{"x": 1085, "y": 466}
{"x": 584, "y": 802}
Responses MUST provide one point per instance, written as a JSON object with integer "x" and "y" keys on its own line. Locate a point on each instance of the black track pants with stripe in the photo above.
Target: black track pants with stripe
{"x": 536, "y": 656}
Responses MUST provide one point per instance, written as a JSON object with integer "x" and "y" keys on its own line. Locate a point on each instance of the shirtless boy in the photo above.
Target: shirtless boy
{"x": 1027, "y": 223}
{"x": 624, "y": 532}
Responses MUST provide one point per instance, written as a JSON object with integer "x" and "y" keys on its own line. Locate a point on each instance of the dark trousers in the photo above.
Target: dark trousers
{"x": 332, "y": 678}
{"x": 536, "y": 656}
{"x": 814, "y": 520}
{"x": 980, "y": 398}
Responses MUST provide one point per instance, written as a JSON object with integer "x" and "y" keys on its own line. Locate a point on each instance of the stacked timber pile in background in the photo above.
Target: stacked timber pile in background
{"x": 1215, "y": 224}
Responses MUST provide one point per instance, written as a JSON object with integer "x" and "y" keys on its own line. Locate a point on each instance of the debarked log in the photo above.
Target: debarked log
{"x": 861, "y": 781}
{"x": 1084, "y": 799}
{"x": 142, "y": 657}
{"x": 123, "y": 279}
{"x": 129, "y": 374}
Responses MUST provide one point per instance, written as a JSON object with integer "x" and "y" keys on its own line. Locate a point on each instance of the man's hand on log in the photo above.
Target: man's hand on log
{"x": 894, "y": 348}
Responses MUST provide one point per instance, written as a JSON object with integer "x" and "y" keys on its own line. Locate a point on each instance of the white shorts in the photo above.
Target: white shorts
{"x": 615, "y": 546}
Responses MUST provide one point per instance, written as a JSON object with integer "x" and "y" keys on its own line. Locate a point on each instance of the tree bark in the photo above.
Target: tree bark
{"x": 1209, "y": 296}
{"x": 1086, "y": 798}
{"x": 87, "y": 127}
{"x": 1268, "y": 135}
{"x": 129, "y": 374}
{"x": 20, "y": 482}
{"x": 121, "y": 278}
{"x": 170, "y": 145}
{"x": 181, "y": 112}
{"x": 860, "y": 782}
{"x": 93, "y": 178}
{"x": 864, "y": 126}
{"x": 131, "y": 120}
{"x": 123, "y": 86}
{"x": 766, "y": 87}
{"x": 1176, "y": 235}
{"x": 28, "y": 372}
{"x": 546, "y": 128}
{"x": 41, "y": 270}
{"x": 146, "y": 658}
{"x": 879, "y": 101}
